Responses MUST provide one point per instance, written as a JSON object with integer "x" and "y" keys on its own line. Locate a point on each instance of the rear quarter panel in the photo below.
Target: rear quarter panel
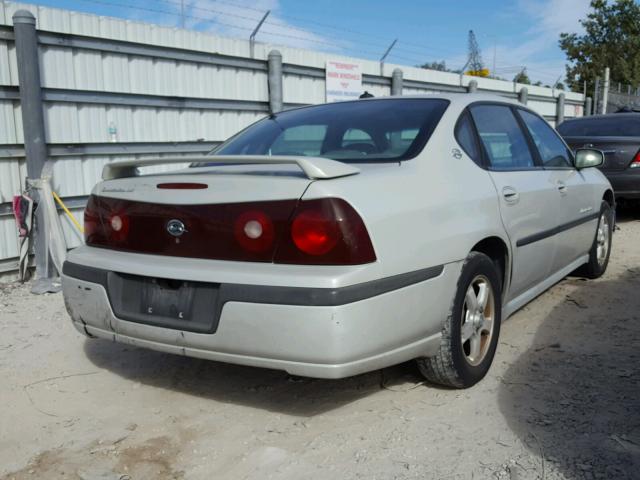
{"x": 427, "y": 211}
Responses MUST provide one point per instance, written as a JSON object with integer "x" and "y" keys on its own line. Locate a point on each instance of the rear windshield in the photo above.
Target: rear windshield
{"x": 360, "y": 131}
{"x": 614, "y": 126}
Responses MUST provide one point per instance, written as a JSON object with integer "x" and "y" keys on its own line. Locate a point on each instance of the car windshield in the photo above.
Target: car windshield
{"x": 359, "y": 131}
{"x": 618, "y": 125}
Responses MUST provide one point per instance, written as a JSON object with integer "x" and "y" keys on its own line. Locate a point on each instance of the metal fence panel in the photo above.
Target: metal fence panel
{"x": 141, "y": 86}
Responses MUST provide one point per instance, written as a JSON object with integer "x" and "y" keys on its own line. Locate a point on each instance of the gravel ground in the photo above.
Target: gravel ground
{"x": 562, "y": 401}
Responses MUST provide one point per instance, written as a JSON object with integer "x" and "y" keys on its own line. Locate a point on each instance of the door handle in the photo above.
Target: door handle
{"x": 510, "y": 195}
{"x": 562, "y": 188}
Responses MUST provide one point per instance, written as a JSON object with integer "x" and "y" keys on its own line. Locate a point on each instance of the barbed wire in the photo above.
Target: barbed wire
{"x": 411, "y": 59}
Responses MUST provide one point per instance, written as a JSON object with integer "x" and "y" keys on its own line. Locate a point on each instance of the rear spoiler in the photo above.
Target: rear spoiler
{"x": 315, "y": 168}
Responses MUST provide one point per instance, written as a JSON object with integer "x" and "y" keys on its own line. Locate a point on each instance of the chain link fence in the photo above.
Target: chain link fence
{"x": 618, "y": 97}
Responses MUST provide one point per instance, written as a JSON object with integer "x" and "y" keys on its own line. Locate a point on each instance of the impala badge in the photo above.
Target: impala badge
{"x": 175, "y": 228}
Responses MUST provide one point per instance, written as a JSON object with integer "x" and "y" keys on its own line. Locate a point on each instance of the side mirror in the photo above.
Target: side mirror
{"x": 586, "y": 158}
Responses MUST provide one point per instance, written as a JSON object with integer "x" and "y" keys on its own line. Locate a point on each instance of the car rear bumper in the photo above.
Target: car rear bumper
{"x": 324, "y": 333}
{"x": 626, "y": 183}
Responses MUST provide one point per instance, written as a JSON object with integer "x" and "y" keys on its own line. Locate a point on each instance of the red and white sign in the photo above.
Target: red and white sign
{"x": 343, "y": 81}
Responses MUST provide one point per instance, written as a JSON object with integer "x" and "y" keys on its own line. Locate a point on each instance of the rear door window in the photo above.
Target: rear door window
{"x": 466, "y": 138}
{"x": 553, "y": 152}
{"x": 503, "y": 140}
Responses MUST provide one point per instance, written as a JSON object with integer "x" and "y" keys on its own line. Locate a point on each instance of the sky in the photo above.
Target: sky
{"x": 512, "y": 34}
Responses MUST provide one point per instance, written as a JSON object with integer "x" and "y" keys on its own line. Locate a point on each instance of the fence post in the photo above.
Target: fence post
{"x": 472, "y": 87}
{"x": 274, "y": 79}
{"x": 560, "y": 109}
{"x": 523, "y": 95}
{"x": 587, "y": 107}
{"x": 396, "y": 82}
{"x": 35, "y": 143}
{"x": 605, "y": 91}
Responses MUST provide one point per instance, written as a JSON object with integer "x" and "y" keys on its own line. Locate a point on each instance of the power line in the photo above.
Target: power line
{"x": 332, "y": 27}
{"x": 248, "y": 29}
{"x": 291, "y": 27}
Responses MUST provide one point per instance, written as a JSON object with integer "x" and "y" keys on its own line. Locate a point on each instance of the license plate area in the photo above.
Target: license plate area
{"x": 176, "y": 304}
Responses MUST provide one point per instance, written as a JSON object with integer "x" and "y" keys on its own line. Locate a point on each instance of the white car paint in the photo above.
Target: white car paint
{"x": 424, "y": 212}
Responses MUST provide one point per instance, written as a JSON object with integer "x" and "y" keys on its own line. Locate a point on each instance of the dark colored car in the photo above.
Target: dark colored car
{"x": 618, "y": 136}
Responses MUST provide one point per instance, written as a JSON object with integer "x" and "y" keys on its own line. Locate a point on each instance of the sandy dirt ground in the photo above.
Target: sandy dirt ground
{"x": 562, "y": 401}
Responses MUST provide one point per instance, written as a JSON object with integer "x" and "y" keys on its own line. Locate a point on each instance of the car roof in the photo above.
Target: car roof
{"x": 621, "y": 116}
{"x": 457, "y": 100}
{"x": 454, "y": 98}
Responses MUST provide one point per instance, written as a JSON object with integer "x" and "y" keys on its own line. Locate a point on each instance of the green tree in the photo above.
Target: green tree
{"x": 522, "y": 77}
{"x": 611, "y": 39}
{"x": 440, "y": 66}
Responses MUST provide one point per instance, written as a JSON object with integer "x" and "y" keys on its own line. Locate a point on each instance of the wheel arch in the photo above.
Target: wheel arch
{"x": 498, "y": 251}
{"x": 609, "y": 197}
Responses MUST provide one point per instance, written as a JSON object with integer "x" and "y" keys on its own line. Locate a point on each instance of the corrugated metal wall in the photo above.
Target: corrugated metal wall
{"x": 162, "y": 90}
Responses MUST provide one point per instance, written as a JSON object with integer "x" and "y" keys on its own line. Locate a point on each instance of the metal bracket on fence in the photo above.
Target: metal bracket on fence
{"x": 252, "y": 37}
{"x": 384, "y": 57}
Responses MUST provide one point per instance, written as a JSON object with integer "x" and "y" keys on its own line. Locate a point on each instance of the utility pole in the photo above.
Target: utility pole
{"x": 493, "y": 72}
{"x": 475, "y": 59}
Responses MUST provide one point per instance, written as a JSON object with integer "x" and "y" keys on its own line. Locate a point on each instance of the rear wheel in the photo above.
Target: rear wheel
{"x": 470, "y": 333}
{"x": 601, "y": 248}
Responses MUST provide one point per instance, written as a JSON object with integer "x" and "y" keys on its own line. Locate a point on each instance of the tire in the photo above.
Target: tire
{"x": 601, "y": 248}
{"x": 456, "y": 364}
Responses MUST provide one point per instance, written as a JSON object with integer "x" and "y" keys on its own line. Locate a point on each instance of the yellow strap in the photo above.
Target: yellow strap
{"x": 66, "y": 210}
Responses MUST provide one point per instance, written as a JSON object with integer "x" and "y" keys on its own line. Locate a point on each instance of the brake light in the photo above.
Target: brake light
{"x": 326, "y": 231}
{"x": 182, "y": 186}
{"x": 314, "y": 233}
{"x": 635, "y": 163}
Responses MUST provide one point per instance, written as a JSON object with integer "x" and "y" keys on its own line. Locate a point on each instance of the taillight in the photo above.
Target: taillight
{"x": 118, "y": 226}
{"x": 312, "y": 232}
{"x": 326, "y": 231}
{"x": 635, "y": 163}
{"x": 102, "y": 219}
{"x": 254, "y": 231}
{"x": 91, "y": 219}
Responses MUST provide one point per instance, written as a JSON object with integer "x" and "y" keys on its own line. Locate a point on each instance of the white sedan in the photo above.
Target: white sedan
{"x": 336, "y": 239}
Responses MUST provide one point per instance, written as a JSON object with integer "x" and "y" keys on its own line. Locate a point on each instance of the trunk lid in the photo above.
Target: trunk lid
{"x": 219, "y": 179}
{"x": 226, "y": 208}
